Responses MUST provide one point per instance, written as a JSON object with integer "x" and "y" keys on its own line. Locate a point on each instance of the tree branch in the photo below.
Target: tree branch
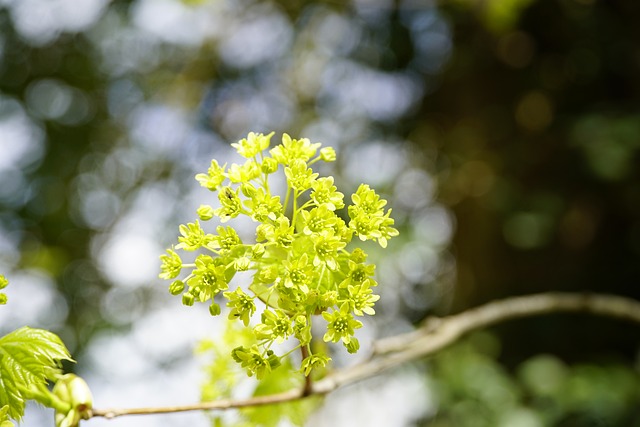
{"x": 433, "y": 336}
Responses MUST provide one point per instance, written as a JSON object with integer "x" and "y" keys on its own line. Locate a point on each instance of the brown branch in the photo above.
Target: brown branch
{"x": 433, "y": 336}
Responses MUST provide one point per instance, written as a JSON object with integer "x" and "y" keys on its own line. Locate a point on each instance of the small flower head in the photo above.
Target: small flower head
{"x": 326, "y": 246}
{"x": 366, "y": 200}
{"x": 253, "y": 361}
{"x": 359, "y": 272}
{"x": 253, "y": 144}
{"x": 244, "y": 173}
{"x": 300, "y": 177}
{"x": 276, "y": 325}
{"x": 207, "y": 279}
{"x": 214, "y": 176}
{"x": 317, "y": 220}
{"x": 264, "y": 207}
{"x": 362, "y": 299}
{"x": 314, "y": 361}
{"x": 230, "y": 204}
{"x": 242, "y": 305}
{"x": 171, "y": 265}
{"x": 298, "y": 272}
{"x": 341, "y": 325}
{"x": 281, "y": 234}
{"x": 226, "y": 240}
{"x": 292, "y": 149}
{"x": 192, "y": 237}
{"x": 326, "y": 194}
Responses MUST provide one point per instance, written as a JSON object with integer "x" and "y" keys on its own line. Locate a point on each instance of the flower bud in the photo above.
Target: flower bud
{"x": 242, "y": 264}
{"x": 188, "y": 299}
{"x": 327, "y": 299}
{"x": 205, "y": 212}
{"x": 353, "y": 345}
{"x": 258, "y": 250}
{"x": 248, "y": 189}
{"x": 269, "y": 165}
{"x": 214, "y": 309}
{"x": 74, "y": 391}
{"x": 328, "y": 154}
{"x": 176, "y": 287}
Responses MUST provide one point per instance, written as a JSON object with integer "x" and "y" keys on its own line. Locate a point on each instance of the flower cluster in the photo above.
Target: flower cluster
{"x": 299, "y": 259}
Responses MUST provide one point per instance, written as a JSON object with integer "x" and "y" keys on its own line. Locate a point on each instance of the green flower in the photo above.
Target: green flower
{"x": 281, "y": 234}
{"x": 230, "y": 204}
{"x": 326, "y": 246}
{"x": 266, "y": 274}
{"x": 207, "y": 279}
{"x": 341, "y": 325}
{"x": 171, "y": 265}
{"x": 300, "y": 177}
{"x": 358, "y": 273}
{"x": 193, "y": 237}
{"x": 386, "y": 231}
{"x": 298, "y": 272}
{"x": 254, "y": 362}
{"x": 317, "y": 360}
{"x": 264, "y": 207}
{"x": 292, "y": 149}
{"x": 326, "y": 194}
{"x": 374, "y": 228}
{"x": 276, "y": 325}
{"x": 244, "y": 173}
{"x": 317, "y": 220}
{"x": 362, "y": 299}
{"x": 302, "y": 330}
{"x": 253, "y": 144}
{"x": 366, "y": 200}
{"x": 214, "y": 176}
{"x": 226, "y": 240}
{"x": 242, "y": 263}
{"x": 241, "y": 304}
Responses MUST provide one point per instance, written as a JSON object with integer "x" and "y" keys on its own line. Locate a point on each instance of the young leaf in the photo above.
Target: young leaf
{"x": 28, "y": 359}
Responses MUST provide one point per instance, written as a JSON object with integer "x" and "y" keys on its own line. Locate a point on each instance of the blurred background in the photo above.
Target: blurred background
{"x": 505, "y": 134}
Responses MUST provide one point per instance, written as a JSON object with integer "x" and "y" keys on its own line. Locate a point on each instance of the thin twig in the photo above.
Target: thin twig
{"x": 433, "y": 336}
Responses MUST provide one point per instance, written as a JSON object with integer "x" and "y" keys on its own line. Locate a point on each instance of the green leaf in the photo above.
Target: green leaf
{"x": 28, "y": 359}
{"x": 4, "y": 417}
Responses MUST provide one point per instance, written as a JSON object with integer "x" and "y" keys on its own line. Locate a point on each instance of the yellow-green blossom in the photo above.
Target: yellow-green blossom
{"x": 214, "y": 176}
{"x": 253, "y": 144}
{"x": 300, "y": 263}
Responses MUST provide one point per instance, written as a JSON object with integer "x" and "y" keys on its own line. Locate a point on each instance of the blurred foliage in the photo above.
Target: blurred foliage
{"x": 504, "y": 134}
{"x": 224, "y": 378}
{"x": 475, "y": 390}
